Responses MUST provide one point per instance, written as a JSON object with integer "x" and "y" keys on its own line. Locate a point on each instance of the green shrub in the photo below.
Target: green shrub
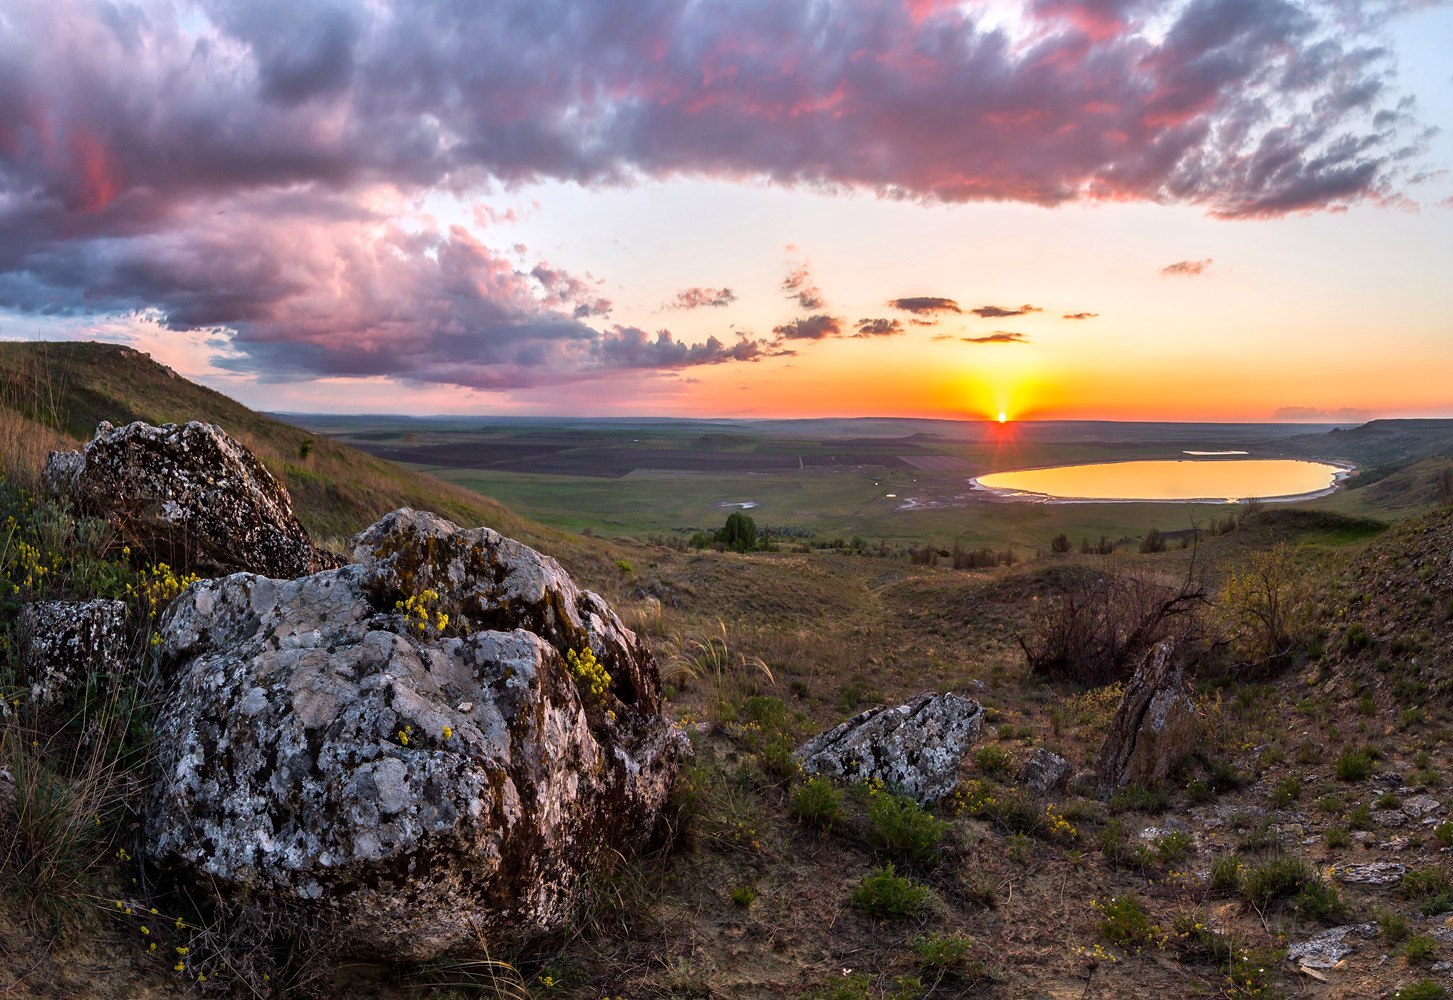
{"x": 1319, "y": 901}
{"x": 1174, "y": 846}
{"x": 818, "y": 804}
{"x": 1139, "y": 799}
{"x": 1337, "y": 837}
{"x": 1423, "y": 989}
{"x": 1393, "y": 926}
{"x": 1114, "y": 841}
{"x": 940, "y": 954}
{"x": 1124, "y": 922}
{"x": 1353, "y": 765}
{"x": 1430, "y": 889}
{"x": 1225, "y": 874}
{"x": 903, "y": 828}
{"x": 1444, "y": 832}
{"x": 1357, "y": 639}
{"x": 744, "y": 895}
{"x": 1285, "y": 792}
{"x": 1420, "y": 948}
{"x": 995, "y": 760}
{"x": 885, "y": 894}
{"x": 1277, "y": 878}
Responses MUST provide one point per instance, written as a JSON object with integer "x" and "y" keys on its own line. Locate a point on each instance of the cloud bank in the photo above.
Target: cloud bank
{"x": 246, "y": 167}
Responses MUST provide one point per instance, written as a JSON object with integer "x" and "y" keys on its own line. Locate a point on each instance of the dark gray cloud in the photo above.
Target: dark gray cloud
{"x": 1186, "y": 268}
{"x": 1000, "y": 312}
{"x": 817, "y": 327}
{"x": 926, "y": 305}
{"x": 997, "y": 337}
{"x": 702, "y": 298}
{"x": 879, "y": 328}
{"x": 224, "y": 162}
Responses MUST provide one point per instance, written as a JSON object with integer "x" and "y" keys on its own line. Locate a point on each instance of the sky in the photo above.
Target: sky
{"x": 1054, "y": 209}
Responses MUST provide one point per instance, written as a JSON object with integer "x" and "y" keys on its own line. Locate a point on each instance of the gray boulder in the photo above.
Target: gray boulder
{"x": 1154, "y": 728}
{"x": 1326, "y": 949}
{"x": 914, "y": 749}
{"x": 427, "y": 785}
{"x": 63, "y": 643}
{"x": 190, "y": 496}
{"x": 1044, "y": 771}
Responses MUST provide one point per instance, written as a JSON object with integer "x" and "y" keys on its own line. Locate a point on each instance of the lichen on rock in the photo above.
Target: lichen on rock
{"x": 190, "y": 496}
{"x": 430, "y": 790}
{"x": 914, "y": 749}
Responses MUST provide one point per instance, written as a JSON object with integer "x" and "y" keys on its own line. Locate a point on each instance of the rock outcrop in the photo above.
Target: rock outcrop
{"x": 416, "y": 744}
{"x": 914, "y": 749}
{"x": 1044, "y": 771}
{"x": 190, "y": 496}
{"x": 63, "y": 643}
{"x": 1154, "y": 728}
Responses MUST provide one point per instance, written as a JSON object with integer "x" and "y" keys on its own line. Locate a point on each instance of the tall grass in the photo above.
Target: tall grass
{"x": 725, "y": 676}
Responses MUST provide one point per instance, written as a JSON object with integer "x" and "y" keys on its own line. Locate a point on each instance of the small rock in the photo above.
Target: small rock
{"x": 1373, "y": 873}
{"x": 914, "y": 749}
{"x": 1421, "y": 807}
{"x": 1044, "y": 770}
{"x": 1154, "y": 728}
{"x": 1390, "y": 817}
{"x": 1326, "y": 949}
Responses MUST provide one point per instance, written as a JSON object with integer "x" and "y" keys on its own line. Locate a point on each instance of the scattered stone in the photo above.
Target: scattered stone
{"x": 1044, "y": 771}
{"x": 914, "y": 749}
{"x": 428, "y": 785}
{"x": 1390, "y": 817}
{"x": 63, "y": 643}
{"x": 1154, "y": 728}
{"x": 1328, "y": 948}
{"x": 1171, "y": 825}
{"x": 190, "y": 496}
{"x": 1373, "y": 873}
{"x": 1421, "y": 808}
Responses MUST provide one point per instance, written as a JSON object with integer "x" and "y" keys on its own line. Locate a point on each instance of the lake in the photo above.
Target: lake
{"x": 1211, "y": 481}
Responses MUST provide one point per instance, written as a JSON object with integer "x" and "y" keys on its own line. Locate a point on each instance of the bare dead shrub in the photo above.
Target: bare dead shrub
{"x": 1102, "y": 622}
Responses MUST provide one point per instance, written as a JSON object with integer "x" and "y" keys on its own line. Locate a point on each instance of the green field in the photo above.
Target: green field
{"x": 895, "y": 481}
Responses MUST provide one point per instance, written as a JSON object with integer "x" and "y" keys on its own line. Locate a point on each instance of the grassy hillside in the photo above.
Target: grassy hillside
{"x": 52, "y": 395}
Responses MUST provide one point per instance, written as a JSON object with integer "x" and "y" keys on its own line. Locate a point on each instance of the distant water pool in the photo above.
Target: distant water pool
{"x": 1210, "y": 481}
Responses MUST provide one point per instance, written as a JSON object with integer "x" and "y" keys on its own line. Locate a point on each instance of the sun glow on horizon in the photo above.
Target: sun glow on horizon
{"x": 1003, "y": 417}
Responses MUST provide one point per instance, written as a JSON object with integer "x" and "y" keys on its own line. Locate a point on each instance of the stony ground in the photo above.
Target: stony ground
{"x": 1313, "y": 810}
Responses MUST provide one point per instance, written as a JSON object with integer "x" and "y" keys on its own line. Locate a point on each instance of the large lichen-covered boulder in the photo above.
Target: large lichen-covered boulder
{"x": 63, "y": 644}
{"x": 914, "y": 749}
{"x": 1154, "y": 728}
{"x": 404, "y": 745}
{"x": 190, "y": 496}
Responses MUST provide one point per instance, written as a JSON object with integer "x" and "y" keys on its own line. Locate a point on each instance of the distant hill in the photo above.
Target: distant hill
{"x": 52, "y": 395}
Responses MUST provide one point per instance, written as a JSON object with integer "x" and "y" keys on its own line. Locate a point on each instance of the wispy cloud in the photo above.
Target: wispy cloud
{"x": 799, "y": 286}
{"x": 998, "y": 337}
{"x": 817, "y": 327}
{"x": 1080, "y": 315}
{"x": 702, "y": 298}
{"x": 926, "y": 305}
{"x": 1186, "y": 268}
{"x": 1000, "y": 312}
{"x": 879, "y": 328}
